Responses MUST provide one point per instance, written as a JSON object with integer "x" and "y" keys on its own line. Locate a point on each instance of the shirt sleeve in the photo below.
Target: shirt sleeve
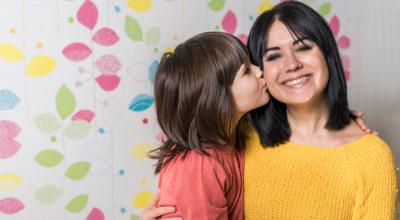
{"x": 196, "y": 186}
{"x": 377, "y": 197}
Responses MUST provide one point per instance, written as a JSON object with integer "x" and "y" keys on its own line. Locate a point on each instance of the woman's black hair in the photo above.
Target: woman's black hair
{"x": 302, "y": 21}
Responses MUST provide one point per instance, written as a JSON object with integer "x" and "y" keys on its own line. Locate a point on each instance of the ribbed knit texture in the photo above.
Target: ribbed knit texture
{"x": 293, "y": 181}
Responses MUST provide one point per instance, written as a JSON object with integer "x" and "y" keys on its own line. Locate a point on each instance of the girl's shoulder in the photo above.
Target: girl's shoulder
{"x": 215, "y": 166}
{"x": 212, "y": 158}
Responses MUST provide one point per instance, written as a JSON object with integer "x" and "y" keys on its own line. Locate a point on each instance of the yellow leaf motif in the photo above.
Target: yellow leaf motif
{"x": 140, "y": 5}
{"x": 40, "y": 65}
{"x": 169, "y": 50}
{"x": 10, "y": 53}
{"x": 265, "y": 5}
{"x": 139, "y": 151}
{"x": 9, "y": 182}
{"x": 142, "y": 199}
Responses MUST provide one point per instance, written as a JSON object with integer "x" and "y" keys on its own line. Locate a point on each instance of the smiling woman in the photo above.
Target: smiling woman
{"x": 301, "y": 63}
{"x": 308, "y": 159}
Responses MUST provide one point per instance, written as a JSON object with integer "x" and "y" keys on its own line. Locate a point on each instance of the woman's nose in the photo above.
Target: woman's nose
{"x": 293, "y": 63}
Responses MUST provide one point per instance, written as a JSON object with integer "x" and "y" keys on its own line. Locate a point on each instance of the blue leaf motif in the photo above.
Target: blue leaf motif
{"x": 141, "y": 102}
{"x": 8, "y": 100}
{"x": 152, "y": 70}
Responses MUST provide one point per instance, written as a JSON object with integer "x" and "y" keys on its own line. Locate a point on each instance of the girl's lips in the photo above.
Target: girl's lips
{"x": 264, "y": 85}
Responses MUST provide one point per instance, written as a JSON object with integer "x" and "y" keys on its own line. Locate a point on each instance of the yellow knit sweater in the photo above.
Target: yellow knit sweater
{"x": 293, "y": 181}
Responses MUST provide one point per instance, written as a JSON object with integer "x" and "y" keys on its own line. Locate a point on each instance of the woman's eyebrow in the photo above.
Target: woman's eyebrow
{"x": 271, "y": 48}
{"x": 294, "y": 43}
{"x": 300, "y": 40}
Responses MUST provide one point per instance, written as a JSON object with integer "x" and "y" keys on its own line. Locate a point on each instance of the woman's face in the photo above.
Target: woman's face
{"x": 249, "y": 89}
{"x": 294, "y": 69}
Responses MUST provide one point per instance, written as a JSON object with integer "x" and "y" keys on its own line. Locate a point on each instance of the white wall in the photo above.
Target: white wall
{"x": 375, "y": 54}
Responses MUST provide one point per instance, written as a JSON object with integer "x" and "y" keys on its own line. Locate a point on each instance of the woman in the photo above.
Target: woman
{"x": 307, "y": 158}
{"x": 323, "y": 166}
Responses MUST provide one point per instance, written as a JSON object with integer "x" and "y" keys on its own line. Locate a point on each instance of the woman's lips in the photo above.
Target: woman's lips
{"x": 298, "y": 81}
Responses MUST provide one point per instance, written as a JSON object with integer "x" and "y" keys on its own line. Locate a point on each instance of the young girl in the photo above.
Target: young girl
{"x": 202, "y": 90}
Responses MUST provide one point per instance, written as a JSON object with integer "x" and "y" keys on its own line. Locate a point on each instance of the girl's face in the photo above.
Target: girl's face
{"x": 249, "y": 89}
{"x": 294, "y": 69}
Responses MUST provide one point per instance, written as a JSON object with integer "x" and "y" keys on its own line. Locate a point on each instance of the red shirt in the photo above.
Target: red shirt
{"x": 204, "y": 187}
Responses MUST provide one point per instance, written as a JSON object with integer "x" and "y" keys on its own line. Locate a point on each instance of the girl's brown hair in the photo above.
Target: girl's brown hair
{"x": 193, "y": 99}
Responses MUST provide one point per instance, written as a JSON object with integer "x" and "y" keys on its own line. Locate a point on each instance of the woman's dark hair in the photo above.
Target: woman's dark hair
{"x": 192, "y": 90}
{"x": 302, "y": 21}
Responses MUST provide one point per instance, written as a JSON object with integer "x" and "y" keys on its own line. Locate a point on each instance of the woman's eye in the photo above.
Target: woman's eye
{"x": 304, "y": 48}
{"x": 272, "y": 57}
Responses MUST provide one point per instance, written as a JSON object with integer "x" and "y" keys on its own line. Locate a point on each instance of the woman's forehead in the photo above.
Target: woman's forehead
{"x": 279, "y": 32}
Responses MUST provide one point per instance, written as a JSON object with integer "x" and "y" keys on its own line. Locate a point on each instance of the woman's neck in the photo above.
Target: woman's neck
{"x": 307, "y": 121}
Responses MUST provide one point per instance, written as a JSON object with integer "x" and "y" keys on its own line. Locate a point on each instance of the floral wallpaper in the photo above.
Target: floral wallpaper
{"x": 76, "y": 103}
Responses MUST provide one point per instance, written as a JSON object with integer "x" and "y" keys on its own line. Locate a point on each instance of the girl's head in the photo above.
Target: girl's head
{"x": 297, "y": 52}
{"x": 201, "y": 91}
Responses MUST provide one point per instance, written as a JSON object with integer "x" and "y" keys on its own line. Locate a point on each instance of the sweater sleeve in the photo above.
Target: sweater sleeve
{"x": 377, "y": 196}
{"x": 196, "y": 186}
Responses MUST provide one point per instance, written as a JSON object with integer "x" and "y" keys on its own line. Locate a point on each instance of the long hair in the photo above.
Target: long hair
{"x": 301, "y": 20}
{"x": 192, "y": 90}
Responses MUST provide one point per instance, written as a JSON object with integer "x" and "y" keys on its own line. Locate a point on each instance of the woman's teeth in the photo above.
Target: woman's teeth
{"x": 297, "y": 81}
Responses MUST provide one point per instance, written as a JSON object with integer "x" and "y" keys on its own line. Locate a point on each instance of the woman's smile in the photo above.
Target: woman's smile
{"x": 297, "y": 81}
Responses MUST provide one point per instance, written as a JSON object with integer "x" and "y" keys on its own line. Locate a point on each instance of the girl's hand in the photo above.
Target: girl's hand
{"x": 362, "y": 124}
{"x": 152, "y": 213}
